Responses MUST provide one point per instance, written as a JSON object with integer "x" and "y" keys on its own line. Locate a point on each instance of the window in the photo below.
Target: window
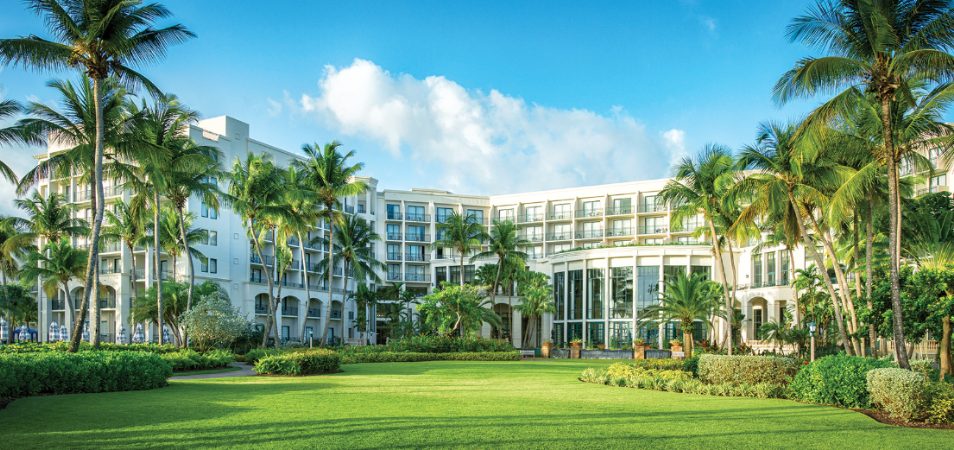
{"x": 394, "y": 252}
{"x": 561, "y": 231}
{"x": 622, "y": 206}
{"x": 621, "y": 227}
{"x": 701, "y": 270}
{"x": 654, "y": 225}
{"x": 476, "y": 215}
{"x": 784, "y": 269}
{"x": 208, "y": 211}
{"x": 621, "y": 335}
{"x": 559, "y": 281}
{"x": 594, "y": 291}
{"x": 671, "y": 272}
{"x": 415, "y": 212}
{"x": 557, "y": 334}
{"x": 394, "y": 272}
{"x": 415, "y": 233}
{"x": 533, "y": 213}
{"x": 595, "y": 333}
{"x": 650, "y": 204}
{"x": 692, "y": 223}
{"x": 576, "y": 295}
{"x": 468, "y": 274}
{"x": 756, "y": 270}
{"x": 557, "y": 248}
{"x": 770, "y": 269}
{"x": 621, "y": 291}
{"x": 534, "y": 233}
{"x": 561, "y": 211}
{"x": 211, "y": 265}
{"x": 504, "y": 215}
{"x": 648, "y": 285}
{"x": 535, "y": 252}
{"x": 574, "y": 330}
{"x": 394, "y": 211}
{"x": 591, "y": 208}
{"x": 938, "y": 183}
{"x": 443, "y": 213}
{"x": 440, "y": 275}
{"x": 394, "y": 232}
{"x": 415, "y": 253}
{"x": 213, "y": 238}
{"x": 757, "y": 320}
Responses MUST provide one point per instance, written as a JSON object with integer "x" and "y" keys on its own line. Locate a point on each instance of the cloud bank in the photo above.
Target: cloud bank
{"x": 475, "y": 142}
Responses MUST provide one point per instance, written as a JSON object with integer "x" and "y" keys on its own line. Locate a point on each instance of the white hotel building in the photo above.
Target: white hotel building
{"x": 607, "y": 249}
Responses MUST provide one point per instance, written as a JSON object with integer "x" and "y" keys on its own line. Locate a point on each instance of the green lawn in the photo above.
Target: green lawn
{"x": 459, "y": 404}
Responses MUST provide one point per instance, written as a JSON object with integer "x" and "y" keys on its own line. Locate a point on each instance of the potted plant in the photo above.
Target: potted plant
{"x": 545, "y": 349}
{"x": 675, "y": 345}
{"x": 575, "y": 346}
{"x": 639, "y": 348}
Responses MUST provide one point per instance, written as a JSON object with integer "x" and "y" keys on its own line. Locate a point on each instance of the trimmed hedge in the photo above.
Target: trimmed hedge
{"x": 941, "y": 403}
{"x": 678, "y": 381}
{"x": 192, "y": 360}
{"x": 751, "y": 370}
{"x": 309, "y": 362}
{"x": 836, "y": 380}
{"x": 378, "y": 357}
{"x": 62, "y": 346}
{"x": 54, "y": 372}
{"x": 898, "y": 392}
{"x": 659, "y": 364}
{"x": 444, "y": 344}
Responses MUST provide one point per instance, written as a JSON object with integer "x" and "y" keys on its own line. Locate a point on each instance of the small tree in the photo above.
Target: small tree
{"x": 686, "y": 299}
{"x": 537, "y": 299}
{"x": 214, "y": 323}
{"x": 457, "y": 310}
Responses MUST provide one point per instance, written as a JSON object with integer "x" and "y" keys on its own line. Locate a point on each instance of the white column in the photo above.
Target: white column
{"x": 516, "y": 327}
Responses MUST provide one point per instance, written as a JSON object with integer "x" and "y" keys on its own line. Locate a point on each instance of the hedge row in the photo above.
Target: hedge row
{"x": 909, "y": 396}
{"x": 192, "y": 360}
{"x": 836, "y": 380}
{"x": 26, "y": 374}
{"x": 62, "y": 346}
{"x": 667, "y": 380}
{"x": 718, "y": 369}
{"x": 308, "y": 362}
{"x": 354, "y": 358}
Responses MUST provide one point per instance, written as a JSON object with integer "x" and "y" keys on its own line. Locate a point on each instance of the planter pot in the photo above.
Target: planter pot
{"x": 545, "y": 349}
{"x": 675, "y": 348}
{"x": 639, "y": 351}
{"x": 601, "y": 346}
{"x": 575, "y": 350}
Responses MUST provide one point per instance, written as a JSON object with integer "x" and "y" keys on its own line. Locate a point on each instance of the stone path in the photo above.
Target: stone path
{"x": 244, "y": 371}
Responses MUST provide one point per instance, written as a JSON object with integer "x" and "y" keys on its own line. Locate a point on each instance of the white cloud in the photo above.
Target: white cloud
{"x": 708, "y": 23}
{"x": 478, "y": 142}
{"x": 675, "y": 141}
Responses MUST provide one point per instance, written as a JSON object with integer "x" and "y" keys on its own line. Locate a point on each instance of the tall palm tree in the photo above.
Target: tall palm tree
{"x": 505, "y": 244}
{"x": 14, "y": 246}
{"x": 536, "y": 300}
{"x": 300, "y": 219}
{"x": 355, "y": 248}
{"x": 50, "y": 218}
{"x": 701, "y": 186}
{"x": 686, "y": 299}
{"x": 932, "y": 247}
{"x": 123, "y": 225}
{"x": 332, "y": 177}
{"x": 254, "y": 193}
{"x": 784, "y": 186}
{"x": 879, "y": 47}
{"x": 8, "y": 109}
{"x": 462, "y": 234}
{"x": 100, "y": 38}
{"x": 54, "y": 267}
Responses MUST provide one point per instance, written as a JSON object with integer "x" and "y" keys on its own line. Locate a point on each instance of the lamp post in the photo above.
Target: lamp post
{"x": 811, "y": 334}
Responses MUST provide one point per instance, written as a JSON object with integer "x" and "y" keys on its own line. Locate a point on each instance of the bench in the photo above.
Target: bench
{"x": 524, "y": 354}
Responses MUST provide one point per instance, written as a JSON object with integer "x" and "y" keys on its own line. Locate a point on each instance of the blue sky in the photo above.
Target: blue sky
{"x": 441, "y": 94}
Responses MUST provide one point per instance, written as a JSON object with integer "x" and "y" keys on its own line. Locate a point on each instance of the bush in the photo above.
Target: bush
{"x": 925, "y": 367}
{"x": 62, "y": 346}
{"x": 35, "y": 373}
{"x": 898, "y": 392}
{"x": 192, "y": 360}
{"x": 719, "y": 369}
{"x": 659, "y": 364}
{"x": 376, "y": 357}
{"x": 625, "y": 375}
{"x": 940, "y": 398}
{"x": 836, "y": 380}
{"x": 309, "y": 362}
{"x": 444, "y": 344}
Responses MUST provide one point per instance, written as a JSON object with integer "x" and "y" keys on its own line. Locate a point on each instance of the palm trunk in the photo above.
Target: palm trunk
{"x": 94, "y": 310}
{"x": 894, "y": 198}
{"x": 304, "y": 277}
{"x": 810, "y": 247}
{"x": 720, "y": 267}
{"x": 189, "y": 266}
{"x": 844, "y": 290}
{"x": 869, "y": 274}
{"x": 91, "y": 262}
{"x": 326, "y": 318}
{"x": 945, "y": 347}
{"x": 493, "y": 294}
{"x": 791, "y": 279}
{"x": 268, "y": 278}
{"x": 157, "y": 258}
{"x": 735, "y": 283}
{"x": 280, "y": 276}
{"x": 461, "y": 267}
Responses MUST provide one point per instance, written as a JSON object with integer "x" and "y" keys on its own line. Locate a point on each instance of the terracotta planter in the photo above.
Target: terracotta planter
{"x": 675, "y": 348}
{"x": 575, "y": 350}
{"x": 639, "y": 351}
{"x": 545, "y": 349}
{"x": 601, "y": 346}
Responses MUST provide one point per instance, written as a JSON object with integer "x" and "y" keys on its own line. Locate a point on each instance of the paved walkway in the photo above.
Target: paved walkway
{"x": 244, "y": 370}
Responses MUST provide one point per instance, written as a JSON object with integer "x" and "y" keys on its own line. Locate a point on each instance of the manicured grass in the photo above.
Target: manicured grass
{"x": 458, "y": 404}
{"x": 206, "y": 371}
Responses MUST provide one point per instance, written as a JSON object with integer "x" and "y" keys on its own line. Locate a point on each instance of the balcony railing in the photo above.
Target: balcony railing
{"x": 314, "y": 312}
{"x": 416, "y": 257}
{"x": 392, "y": 215}
{"x": 394, "y": 276}
{"x": 257, "y": 280}
{"x": 560, "y": 236}
{"x": 653, "y": 229}
{"x": 622, "y": 210}
{"x": 598, "y": 212}
{"x": 531, "y": 218}
{"x": 413, "y": 217}
{"x": 417, "y": 277}
{"x": 335, "y": 314}
{"x": 107, "y": 302}
{"x": 261, "y": 309}
{"x": 293, "y": 284}
{"x": 617, "y": 232}
{"x": 394, "y": 256}
{"x": 589, "y": 234}
{"x": 532, "y": 237}
{"x": 933, "y": 189}
{"x": 418, "y": 237}
{"x": 256, "y": 260}
{"x": 394, "y": 236}
{"x": 652, "y": 207}
{"x": 561, "y": 215}
{"x": 57, "y": 304}
{"x": 290, "y": 310}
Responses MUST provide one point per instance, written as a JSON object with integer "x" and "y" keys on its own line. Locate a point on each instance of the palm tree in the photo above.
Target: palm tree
{"x": 14, "y": 246}
{"x": 55, "y": 267}
{"x": 702, "y": 187}
{"x": 330, "y": 175}
{"x": 686, "y": 299}
{"x": 355, "y": 248}
{"x": 879, "y": 47}
{"x": 16, "y": 302}
{"x": 301, "y": 216}
{"x": 932, "y": 247}
{"x": 123, "y": 225}
{"x": 536, "y": 300}
{"x": 255, "y": 189}
{"x": 8, "y": 108}
{"x": 100, "y": 38}
{"x": 463, "y": 234}
{"x": 504, "y": 243}
{"x": 50, "y": 218}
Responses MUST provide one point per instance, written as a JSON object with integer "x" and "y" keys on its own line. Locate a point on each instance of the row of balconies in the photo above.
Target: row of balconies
{"x": 410, "y": 276}
{"x": 291, "y": 310}
{"x": 409, "y": 257}
{"x": 426, "y": 218}
{"x": 588, "y": 213}
{"x": 104, "y": 303}
{"x": 410, "y": 237}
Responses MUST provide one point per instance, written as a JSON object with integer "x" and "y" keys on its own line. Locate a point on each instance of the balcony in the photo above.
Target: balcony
{"x": 412, "y": 217}
{"x": 589, "y": 234}
{"x": 619, "y": 232}
{"x": 110, "y": 247}
{"x": 394, "y": 215}
{"x": 653, "y": 229}
{"x": 58, "y": 304}
{"x": 416, "y": 257}
{"x": 293, "y": 284}
{"x": 107, "y": 302}
{"x": 417, "y": 237}
{"x": 336, "y": 314}
{"x": 394, "y": 236}
{"x": 261, "y": 309}
{"x": 394, "y": 276}
{"x": 586, "y": 213}
{"x": 560, "y": 236}
{"x": 257, "y": 280}
{"x": 652, "y": 207}
{"x": 394, "y": 256}
{"x": 620, "y": 211}
{"x": 529, "y": 218}
{"x": 561, "y": 215}
{"x": 417, "y": 277}
{"x": 290, "y": 310}
{"x": 254, "y": 259}
{"x": 933, "y": 190}
{"x": 314, "y": 312}
{"x": 108, "y": 270}
{"x": 532, "y": 237}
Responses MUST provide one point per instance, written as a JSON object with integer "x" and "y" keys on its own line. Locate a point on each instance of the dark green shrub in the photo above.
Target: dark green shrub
{"x": 940, "y": 399}
{"x": 376, "y": 357}
{"x": 306, "y": 362}
{"x": 836, "y": 380}
{"x": 255, "y": 354}
{"x": 54, "y": 372}
{"x": 445, "y": 344}
{"x": 898, "y": 392}
{"x": 720, "y": 369}
{"x": 189, "y": 359}
{"x": 691, "y": 364}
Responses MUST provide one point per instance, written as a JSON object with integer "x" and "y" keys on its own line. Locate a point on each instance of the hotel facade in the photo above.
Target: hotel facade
{"x": 608, "y": 250}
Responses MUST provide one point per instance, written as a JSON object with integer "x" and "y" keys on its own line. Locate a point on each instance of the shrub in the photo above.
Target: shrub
{"x": 376, "y": 357}
{"x": 214, "y": 322}
{"x": 35, "y": 373}
{"x": 444, "y": 344}
{"x": 625, "y": 375}
{"x": 659, "y": 364}
{"x": 898, "y": 392}
{"x": 836, "y": 380}
{"x": 925, "y": 367}
{"x": 309, "y": 362}
{"x": 719, "y": 369}
{"x": 691, "y": 364}
{"x": 188, "y": 359}
{"x": 62, "y": 346}
{"x": 940, "y": 398}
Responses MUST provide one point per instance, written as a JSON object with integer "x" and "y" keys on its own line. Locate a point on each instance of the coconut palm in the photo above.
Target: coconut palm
{"x": 254, "y": 193}
{"x": 462, "y": 234}
{"x": 701, "y": 186}
{"x": 300, "y": 218}
{"x": 100, "y": 38}
{"x": 18, "y": 304}
{"x": 331, "y": 176}
{"x": 14, "y": 245}
{"x": 8, "y": 109}
{"x": 932, "y": 247}
{"x": 50, "y": 217}
{"x": 536, "y": 300}
{"x": 686, "y": 299}
{"x": 878, "y": 47}
{"x": 54, "y": 267}
{"x": 507, "y": 246}
{"x": 127, "y": 228}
